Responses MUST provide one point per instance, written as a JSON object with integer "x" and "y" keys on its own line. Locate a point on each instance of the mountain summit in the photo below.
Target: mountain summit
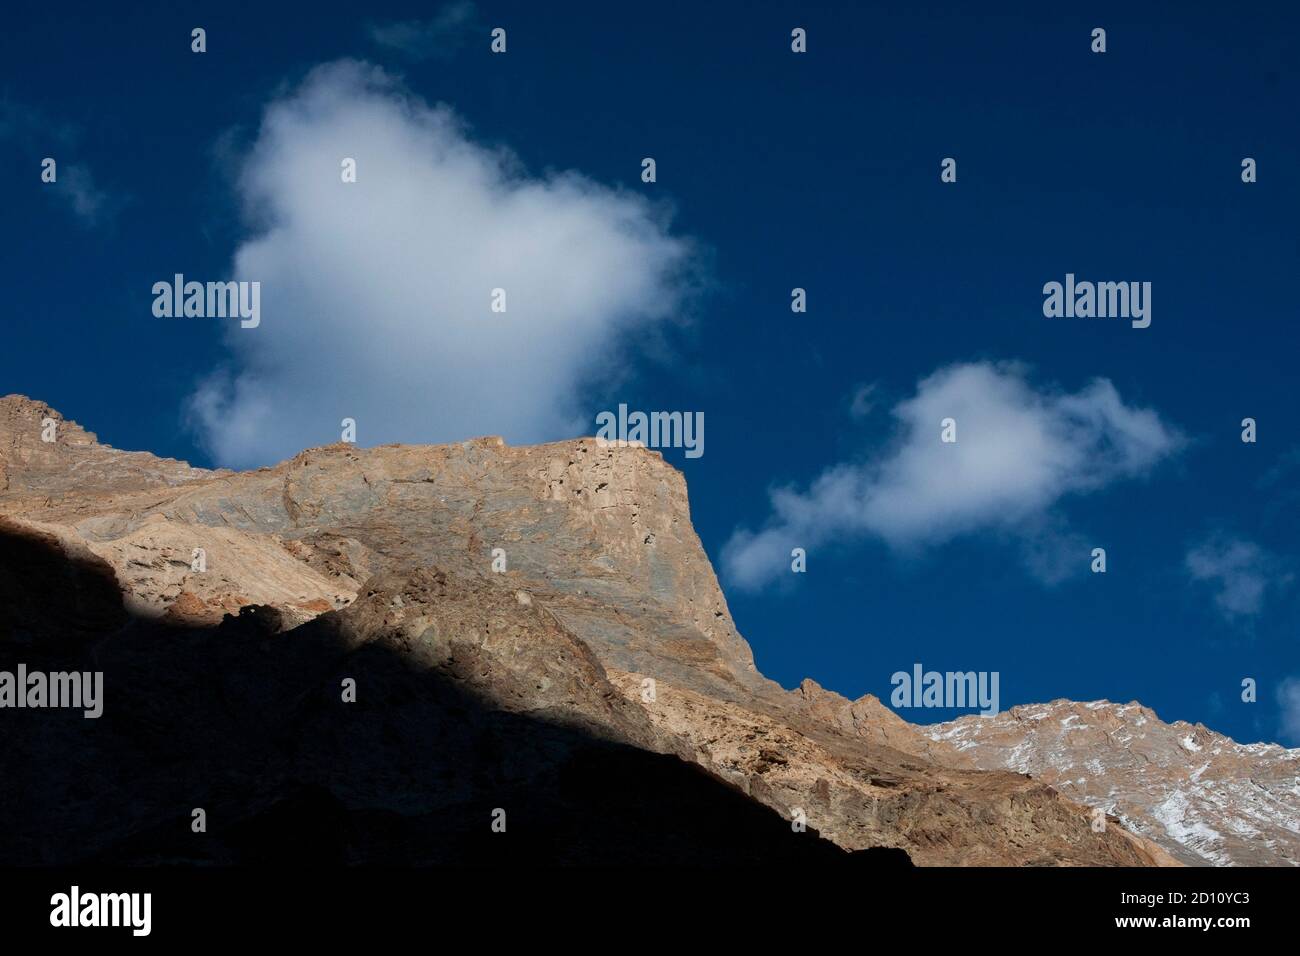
{"x": 1203, "y": 797}
{"x": 532, "y": 631}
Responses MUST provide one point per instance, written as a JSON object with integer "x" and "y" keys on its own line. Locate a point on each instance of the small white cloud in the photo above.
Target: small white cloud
{"x": 435, "y": 38}
{"x": 40, "y": 137}
{"x": 77, "y": 186}
{"x": 1240, "y": 572}
{"x": 1019, "y": 450}
{"x": 376, "y": 296}
{"x": 863, "y": 401}
{"x": 1288, "y": 700}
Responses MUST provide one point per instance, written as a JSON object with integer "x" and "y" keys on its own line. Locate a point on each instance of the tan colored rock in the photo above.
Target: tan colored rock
{"x": 1201, "y": 796}
{"x": 862, "y": 793}
{"x": 871, "y": 721}
{"x": 606, "y": 585}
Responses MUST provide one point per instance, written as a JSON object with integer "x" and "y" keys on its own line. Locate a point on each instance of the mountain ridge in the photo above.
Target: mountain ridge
{"x": 595, "y": 541}
{"x": 1205, "y": 798}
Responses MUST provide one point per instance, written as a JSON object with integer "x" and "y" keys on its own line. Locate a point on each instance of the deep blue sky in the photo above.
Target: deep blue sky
{"x": 818, "y": 171}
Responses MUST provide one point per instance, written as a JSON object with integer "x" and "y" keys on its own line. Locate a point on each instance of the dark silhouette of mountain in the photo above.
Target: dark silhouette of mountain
{"x": 531, "y": 629}
{"x": 248, "y": 723}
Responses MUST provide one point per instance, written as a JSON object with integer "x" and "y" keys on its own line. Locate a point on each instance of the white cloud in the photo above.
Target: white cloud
{"x": 44, "y": 137}
{"x": 1240, "y": 572}
{"x": 376, "y": 294}
{"x": 1288, "y": 699}
{"x": 863, "y": 401}
{"x": 437, "y": 37}
{"x": 1019, "y": 450}
{"x": 77, "y": 187}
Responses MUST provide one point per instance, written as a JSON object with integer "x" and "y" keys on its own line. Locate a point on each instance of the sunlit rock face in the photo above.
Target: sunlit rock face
{"x": 538, "y": 626}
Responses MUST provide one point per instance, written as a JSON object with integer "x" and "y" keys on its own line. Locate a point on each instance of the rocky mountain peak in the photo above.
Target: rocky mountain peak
{"x": 1203, "y": 797}
{"x": 48, "y": 461}
{"x": 563, "y": 584}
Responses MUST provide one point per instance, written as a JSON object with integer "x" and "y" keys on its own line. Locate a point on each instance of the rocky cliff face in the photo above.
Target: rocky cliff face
{"x": 1201, "y": 796}
{"x": 532, "y": 629}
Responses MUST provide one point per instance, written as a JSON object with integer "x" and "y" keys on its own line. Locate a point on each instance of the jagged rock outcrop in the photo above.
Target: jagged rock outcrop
{"x": 517, "y": 598}
{"x": 862, "y": 794}
{"x": 606, "y": 532}
{"x": 470, "y": 708}
{"x": 1201, "y": 796}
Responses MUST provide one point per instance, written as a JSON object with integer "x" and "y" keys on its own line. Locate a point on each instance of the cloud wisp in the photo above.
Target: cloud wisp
{"x": 378, "y": 295}
{"x": 43, "y": 138}
{"x": 1288, "y": 701}
{"x": 437, "y": 38}
{"x": 1240, "y": 573}
{"x": 1018, "y": 451}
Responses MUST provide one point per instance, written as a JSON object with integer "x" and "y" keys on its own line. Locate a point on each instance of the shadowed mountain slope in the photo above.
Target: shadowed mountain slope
{"x": 532, "y": 629}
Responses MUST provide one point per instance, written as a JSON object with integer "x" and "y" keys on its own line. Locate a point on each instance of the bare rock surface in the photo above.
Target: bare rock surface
{"x": 874, "y": 795}
{"x": 1201, "y": 796}
{"x": 531, "y": 591}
